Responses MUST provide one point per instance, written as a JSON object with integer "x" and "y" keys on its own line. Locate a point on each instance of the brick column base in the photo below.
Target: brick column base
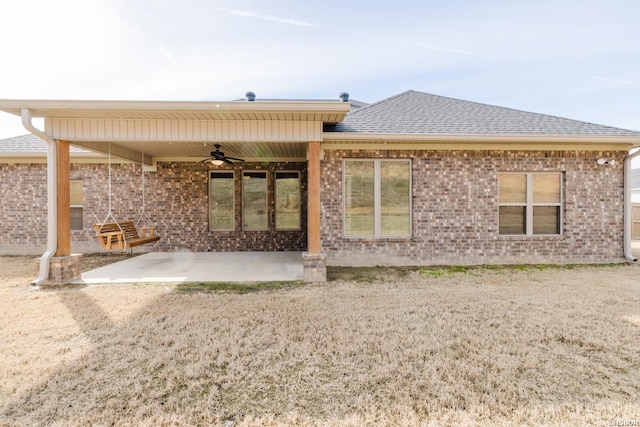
{"x": 64, "y": 270}
{"x": 315, "y": 267}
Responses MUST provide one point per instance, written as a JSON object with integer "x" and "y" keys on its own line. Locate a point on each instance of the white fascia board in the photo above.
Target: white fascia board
{"x": 40, "y": 107}
{"x": 328, "y": 137}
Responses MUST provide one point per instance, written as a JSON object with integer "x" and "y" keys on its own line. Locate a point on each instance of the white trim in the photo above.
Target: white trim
{"x": 330, "y": 137}
{"x": 328, "y": 111}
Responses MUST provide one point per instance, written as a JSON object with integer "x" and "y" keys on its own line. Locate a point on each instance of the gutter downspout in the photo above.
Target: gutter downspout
{"x": 628, "y": 208}
{"x": 52, "y": 196}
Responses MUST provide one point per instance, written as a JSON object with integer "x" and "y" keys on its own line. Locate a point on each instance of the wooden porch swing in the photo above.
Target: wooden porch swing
{"x": 116, "y": 235}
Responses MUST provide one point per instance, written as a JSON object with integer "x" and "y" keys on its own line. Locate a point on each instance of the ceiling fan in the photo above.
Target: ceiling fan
{"x": 217, "y": 157}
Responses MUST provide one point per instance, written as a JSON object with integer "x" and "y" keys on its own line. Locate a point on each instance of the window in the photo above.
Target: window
{"x": 254, "y": 201}
{"x": 222, "y": 201}
{"x": 287, "y": 200}
{"x": 530, "y": 203}
{"x": 76, "y": 198}
{"x": 377, "y": 198}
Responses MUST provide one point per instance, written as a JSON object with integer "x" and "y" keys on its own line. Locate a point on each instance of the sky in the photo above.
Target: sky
{"x": 571, "y": 58}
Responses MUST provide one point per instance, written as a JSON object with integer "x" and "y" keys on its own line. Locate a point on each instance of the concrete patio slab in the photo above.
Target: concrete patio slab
{"x": 179, "y": 267}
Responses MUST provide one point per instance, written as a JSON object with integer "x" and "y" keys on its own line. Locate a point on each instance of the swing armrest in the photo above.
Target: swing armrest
{"x": 109, "y": 239}
{"x": 150, "y": 230}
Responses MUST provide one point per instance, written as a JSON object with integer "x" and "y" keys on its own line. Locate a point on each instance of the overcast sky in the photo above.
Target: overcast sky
{"x": 572, "y": 58}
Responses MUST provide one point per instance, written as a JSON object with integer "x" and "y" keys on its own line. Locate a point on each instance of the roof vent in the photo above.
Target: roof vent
{"x": 250, "y": 96}
{"x": 344, "y": 97}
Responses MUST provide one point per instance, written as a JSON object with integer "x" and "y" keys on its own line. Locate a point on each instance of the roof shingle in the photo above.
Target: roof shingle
{"x": 30, "y": 144}
{"x": 414, "y": 112}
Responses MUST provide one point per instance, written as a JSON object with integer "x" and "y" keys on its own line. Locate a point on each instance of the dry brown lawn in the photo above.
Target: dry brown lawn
{"x": 499, "y": 347}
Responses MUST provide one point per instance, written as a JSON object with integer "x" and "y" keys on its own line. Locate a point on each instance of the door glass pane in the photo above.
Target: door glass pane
{"x": 394, "y": 198}
{"x": 546, "y": 188}
{"x": 221, "y": 201}
{"x": 513, "y": 188}
{"x": 546, "y": 220}
{"x": 359, "y": 198}
{"x": 287, "y": 201}
{"x": 512, "y": 220}
{"x": 254, "y": 201}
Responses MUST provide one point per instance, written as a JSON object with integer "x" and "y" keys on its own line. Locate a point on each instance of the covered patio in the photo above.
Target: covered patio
{"x": 153, "y": 132}
{"x": 184, "y": 267}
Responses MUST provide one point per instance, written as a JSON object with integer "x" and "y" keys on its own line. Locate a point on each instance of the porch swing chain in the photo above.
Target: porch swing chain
{"x": 110, "y": 213}
{"x": 144, "y": 216}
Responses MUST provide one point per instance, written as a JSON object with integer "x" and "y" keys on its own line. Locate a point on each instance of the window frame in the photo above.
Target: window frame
{"x": 377, "y": 199}
{"x": 529, "y": 204}
{"x": 275, "y": 202}
{"x": 211, "y": 179}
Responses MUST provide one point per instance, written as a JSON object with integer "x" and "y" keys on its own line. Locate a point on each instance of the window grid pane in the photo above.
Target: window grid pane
{"x": 359, "y": 198}
{"x": 513, "y": 188}
{"x": 546, "y": 220}
{"x": 513, "y": 220}
{"x": 76, "y": 205}
{"x": 221, "y": 201}
{"x": 254, "y": 201}
{"x": 76, "y": 218}
{"x": 546, "y": 188}
{"x": 394, "y": 198}
{"x": 75, "y": 190}
{"x": 287, "y": 201}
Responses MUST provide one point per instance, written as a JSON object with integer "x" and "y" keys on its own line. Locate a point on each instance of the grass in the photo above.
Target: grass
{"x": 462, "y": 346}
{"x": 235, "y": 287}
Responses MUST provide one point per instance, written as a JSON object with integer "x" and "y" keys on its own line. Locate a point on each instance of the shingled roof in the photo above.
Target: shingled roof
{"x": 31, "y": 145}
{"x": 414, "y": 112}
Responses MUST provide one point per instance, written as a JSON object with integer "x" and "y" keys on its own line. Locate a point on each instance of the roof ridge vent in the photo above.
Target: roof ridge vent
{"x": 344, "y": 96}
{"x": 250, "y": 96}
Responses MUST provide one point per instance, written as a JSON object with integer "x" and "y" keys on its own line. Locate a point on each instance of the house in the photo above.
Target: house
{"x": 414, "y": 179}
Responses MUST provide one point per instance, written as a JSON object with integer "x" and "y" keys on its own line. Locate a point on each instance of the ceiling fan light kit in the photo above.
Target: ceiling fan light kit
{"x": 218, "y": 158}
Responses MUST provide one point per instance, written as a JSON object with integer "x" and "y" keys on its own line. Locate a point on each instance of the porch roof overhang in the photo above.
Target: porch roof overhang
{"x": 142, "y": 131}
{"x": 324, "y": 111}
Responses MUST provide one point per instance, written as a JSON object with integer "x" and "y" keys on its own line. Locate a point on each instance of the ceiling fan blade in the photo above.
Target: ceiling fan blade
{"x": 235, "y": 158}
{"x": 208, "y": 159}
{"x": 226, "y": 160}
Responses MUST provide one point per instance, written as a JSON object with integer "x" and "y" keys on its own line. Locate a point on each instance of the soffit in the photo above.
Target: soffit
{"x": 196, "y": 151}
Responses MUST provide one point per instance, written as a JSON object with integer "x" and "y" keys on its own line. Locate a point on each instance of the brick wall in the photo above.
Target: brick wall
{"x": 176, "y": 200}
{"x": 23, "y": 208}
{"x": 455, "y": 210}
{"x": 179, "y": 203}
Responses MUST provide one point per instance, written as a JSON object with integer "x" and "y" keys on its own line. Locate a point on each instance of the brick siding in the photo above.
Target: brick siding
{"x": 455, "y": 210}
{"x": 176, "y": 200}
{"x": 454, "y": 218}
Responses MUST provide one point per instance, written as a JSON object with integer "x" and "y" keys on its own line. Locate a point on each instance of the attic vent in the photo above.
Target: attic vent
{"x": 344, "y": 97}
{"x": 250, "y": 96}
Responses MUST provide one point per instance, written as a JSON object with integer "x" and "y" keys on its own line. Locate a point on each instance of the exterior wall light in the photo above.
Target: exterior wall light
{"x": 602, "y": 162}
